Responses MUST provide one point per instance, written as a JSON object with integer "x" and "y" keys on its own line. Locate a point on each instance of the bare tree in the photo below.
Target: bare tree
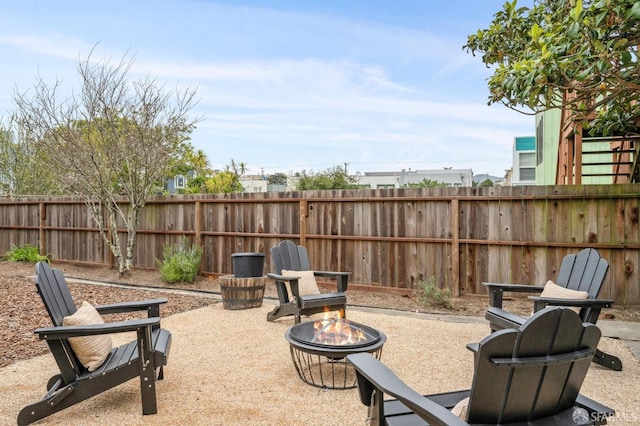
{"x": 111, "y": 143}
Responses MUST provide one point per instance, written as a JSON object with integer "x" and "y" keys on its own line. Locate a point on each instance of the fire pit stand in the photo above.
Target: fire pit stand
{"x": 324, "y": 365}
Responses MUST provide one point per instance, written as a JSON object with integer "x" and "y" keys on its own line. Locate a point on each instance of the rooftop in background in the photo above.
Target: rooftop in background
{"x": 375, "y": 180}
{"x": 398, "y": 179}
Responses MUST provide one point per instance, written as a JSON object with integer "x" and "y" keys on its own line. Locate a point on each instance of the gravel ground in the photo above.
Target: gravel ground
{"x": 234, "y": 367}
{"x": 23, "y": 310}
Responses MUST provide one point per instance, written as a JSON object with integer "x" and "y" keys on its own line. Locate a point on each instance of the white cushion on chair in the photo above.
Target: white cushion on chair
{"x": 90, "y": 350}
{"x": 306, "y": 284}
{"x": 555, "y": 291}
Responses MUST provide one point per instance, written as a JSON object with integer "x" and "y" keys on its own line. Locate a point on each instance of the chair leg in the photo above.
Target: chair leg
{"x": 147, "y": 371}
{"x": 273, "y": 315}
{"x": 57, "y": 398}
{"x": 148, "y": 391}
{"x": 160, "y": 373}
{"x": 34, "y": 412}
{"x": 282, "y": 310}
{"x": 607, "y": 360}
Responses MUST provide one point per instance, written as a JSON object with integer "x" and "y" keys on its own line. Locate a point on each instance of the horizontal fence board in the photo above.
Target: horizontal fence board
{"x": 385, "y": 238}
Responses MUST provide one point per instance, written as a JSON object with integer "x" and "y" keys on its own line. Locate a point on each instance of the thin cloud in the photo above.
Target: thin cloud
{"x": 282, "y": 87}
{"x": 54, "y": 45}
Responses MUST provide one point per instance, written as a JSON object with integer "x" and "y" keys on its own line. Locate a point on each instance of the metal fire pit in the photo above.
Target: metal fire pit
{"x": 324, "y": 365}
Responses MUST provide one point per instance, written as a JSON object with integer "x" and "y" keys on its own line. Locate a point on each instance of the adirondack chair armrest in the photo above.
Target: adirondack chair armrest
{"x": 372, "y": 375}
{"x": 542, "y": 302}
{"x": 279, "y": 277}
{"x": 65, "y": 332}
{"x": 341, "y": 278}
{"x": 290, "y": 279}
{"x": 544, "y": 360}
{"x": 519, "y": 288}
{"x": 496, "y": 291}
{"x": 150, "y": 305}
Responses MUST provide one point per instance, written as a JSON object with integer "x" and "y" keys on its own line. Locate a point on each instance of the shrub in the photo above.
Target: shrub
{"x": 26, "y": 253}
{"x": 181, "y": 263}
{"x": 430, "y": 295}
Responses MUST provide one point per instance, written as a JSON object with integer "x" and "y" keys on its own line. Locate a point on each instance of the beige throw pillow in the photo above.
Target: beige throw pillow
{"x": 461, "y": 409}
{"x": 553, "y": 290}
{"x": 306, "y": 284}
{"x": 90, "y": 350}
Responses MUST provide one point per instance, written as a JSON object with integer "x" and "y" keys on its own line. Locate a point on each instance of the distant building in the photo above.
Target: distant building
{"x": 450, "y": 177}
{"x": 598, "y": 154}
{"x": 254, "y": 183}
{"x": 260, "y": 183}
{"x": 174, "y": 184}
{"x": 372, "y": 180}
{"x": 524, "y": 161}
{"x": 368, "y": 180}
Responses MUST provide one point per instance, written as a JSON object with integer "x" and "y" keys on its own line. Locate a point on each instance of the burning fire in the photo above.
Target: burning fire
{"x": 336, "y": 331}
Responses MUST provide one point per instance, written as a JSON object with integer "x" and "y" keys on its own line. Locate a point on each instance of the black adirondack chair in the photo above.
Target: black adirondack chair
{"x": 584, "y": 271}
{"x": 531, "y": 376}
{"x": 291, "y": 257}
{"x": 141, "y": 358}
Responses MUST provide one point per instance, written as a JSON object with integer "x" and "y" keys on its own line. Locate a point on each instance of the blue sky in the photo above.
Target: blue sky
{"x": 288, "y": 85}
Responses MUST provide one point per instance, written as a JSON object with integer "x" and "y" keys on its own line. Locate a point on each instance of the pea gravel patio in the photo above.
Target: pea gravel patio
{"x": 234, "y": 367}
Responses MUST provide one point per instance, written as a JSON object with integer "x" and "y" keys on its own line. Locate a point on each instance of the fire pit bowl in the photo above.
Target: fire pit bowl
{"x": 318, "y": 350}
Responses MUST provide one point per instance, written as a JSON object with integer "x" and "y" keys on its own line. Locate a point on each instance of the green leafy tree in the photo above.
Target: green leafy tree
{"x": 228, "y": 180}
{"x": 223, "y": 182}
{"x": 486, "y": 183}
{"x": 277, "y": 179}
{"x": 112, "y": 143}
{"x": 331, "y": 178}
{"x": 194, "y": 166}
{"x": 189, "y": 160}
{"x": 425, "y": 183}
{"x": 195, "y": 185}
{"x": 24, "y": 168}
{"x": 585, "y": 48}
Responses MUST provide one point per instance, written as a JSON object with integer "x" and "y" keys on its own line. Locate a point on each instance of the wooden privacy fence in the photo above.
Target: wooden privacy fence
{"x": 388, "y": 239}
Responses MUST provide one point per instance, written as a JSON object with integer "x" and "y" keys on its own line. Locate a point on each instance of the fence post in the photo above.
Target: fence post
{"x": 197, "y": 224}
{"x": 197, "y": 220}
{"x": 42, "y": 235}
{"x": 304, "y": 212}
{"x": 455, "y": 248}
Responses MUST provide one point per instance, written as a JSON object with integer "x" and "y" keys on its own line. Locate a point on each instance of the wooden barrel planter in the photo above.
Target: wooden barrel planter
{"x": 242, "y": 293}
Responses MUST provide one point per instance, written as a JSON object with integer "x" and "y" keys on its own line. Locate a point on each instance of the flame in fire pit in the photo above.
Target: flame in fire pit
{"x": 336, "y": 336}
{"x": 337, "y": 331}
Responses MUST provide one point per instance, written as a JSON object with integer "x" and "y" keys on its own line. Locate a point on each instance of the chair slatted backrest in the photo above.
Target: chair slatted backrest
{"x": 523, "y": 387}
{"x": 584, "y": 271}
{"x": 289, "y": 256}
{"x": 55, "y": 294}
